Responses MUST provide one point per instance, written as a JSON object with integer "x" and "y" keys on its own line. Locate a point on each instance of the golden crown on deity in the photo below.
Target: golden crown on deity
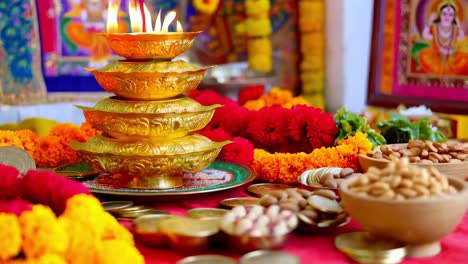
{"x": 451, "y": 3}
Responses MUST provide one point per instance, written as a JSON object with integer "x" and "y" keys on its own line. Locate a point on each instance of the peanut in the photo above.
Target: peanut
{"x": 400, "y": 181}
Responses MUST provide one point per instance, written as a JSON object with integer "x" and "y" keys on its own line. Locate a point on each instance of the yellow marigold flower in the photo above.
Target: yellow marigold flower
{"x": 87, "y": 210}
{"x": 117, "y": 251}
{"x": 258, "y": 27}
{"x": 257, "y": 7}
{"x": 261, "y": 63}
{"x": 113, "y": 230}
{"x": 42, "y": 234}
{"x": 10, "y": 234}
{"x": 47, "y": 259}
{"x": 207, "y": 7}
{"x": 83, "y": 243}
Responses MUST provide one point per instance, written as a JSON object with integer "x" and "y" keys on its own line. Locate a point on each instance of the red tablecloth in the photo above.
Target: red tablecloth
{"x": 311, "y": 248}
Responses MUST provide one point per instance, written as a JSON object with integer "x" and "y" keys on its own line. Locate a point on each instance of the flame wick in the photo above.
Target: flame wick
{"x": 179, "y": 27}
{"x": 157, "y": 26}
{"x": 136, "y": 21}
{"x": 170, "y": 16}
{"x": 148, "y": 23}
{"x": 112, "y": 25}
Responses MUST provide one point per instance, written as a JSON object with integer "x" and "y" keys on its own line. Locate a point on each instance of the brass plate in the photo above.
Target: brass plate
{"x": 18, "y": 158}
{"x": 261, "y": 189}
{"x": 269, "y": 257}
{"x": 243, "y": 201}
{"x": 76, "y": 171}
{"x": 207, "y": 259}
{"x": 220, "y": 175}
{"x": 363, "y": 247}
{"x": 113, "y": 206}
{"x": 207, "y": 213}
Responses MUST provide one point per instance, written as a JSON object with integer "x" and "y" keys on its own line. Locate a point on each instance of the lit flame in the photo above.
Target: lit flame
{"x": 112, "y": 10}
{"x": 136, "y": 21}
{"x": 136, "y": 18}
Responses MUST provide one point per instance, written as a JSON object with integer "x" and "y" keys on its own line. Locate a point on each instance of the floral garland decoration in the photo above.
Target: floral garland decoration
{"x": 52, "y": 150}
{"x": 206, "y": 6}
{"x": 258, "y": 29}
{"x": 81, "y": 233}
{"x": 275, "y": 97}
{"x": 312, "y": 67}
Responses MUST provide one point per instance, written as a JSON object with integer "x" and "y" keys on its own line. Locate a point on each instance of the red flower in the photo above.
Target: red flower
{"x": 46, "y": 187}
{"x": 16, "y": 206}
{"x": 250, "y": 93}
{"x": 10, "y": 183}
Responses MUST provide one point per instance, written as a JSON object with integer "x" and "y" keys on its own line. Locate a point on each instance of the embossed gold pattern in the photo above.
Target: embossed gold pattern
{"x": 161, "y": 67}
{"x": 136, "y": 46}
{"x": 149, "y": 164}
{"x": 169, "y": 118}
{"x": 152, "y": 146}
{"x": 149, "y": 85}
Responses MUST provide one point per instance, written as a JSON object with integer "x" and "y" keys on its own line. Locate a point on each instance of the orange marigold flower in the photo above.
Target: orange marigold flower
{"x": 275, "y": 97}
{"x": 42, "y": 234}
{"x": 88, "y": 130}
{"x": 10, "y": 234}
{"x": 117, "y": 251}
{"x": 68, "y": 132}
{"x": 287, "y": 167}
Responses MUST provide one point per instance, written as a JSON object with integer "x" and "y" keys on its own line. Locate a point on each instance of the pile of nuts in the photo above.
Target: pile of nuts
{"x": 400, "y": 180}
{"x": 258, "y": 221}
{"x": 318, "y": 208}
{"x": 325, "y": 177}
{"x": 419, "y": 151}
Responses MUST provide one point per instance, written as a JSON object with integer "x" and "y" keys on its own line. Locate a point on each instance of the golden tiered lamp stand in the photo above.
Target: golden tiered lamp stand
{"x": 148, "y": 127}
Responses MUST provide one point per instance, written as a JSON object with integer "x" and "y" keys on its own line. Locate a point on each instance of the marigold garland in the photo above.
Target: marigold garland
{"x": 286, "y": 167}
{"x": 51, "y": 150}
{"x": 276, "y": 97}
{"x": 81, "y": 233}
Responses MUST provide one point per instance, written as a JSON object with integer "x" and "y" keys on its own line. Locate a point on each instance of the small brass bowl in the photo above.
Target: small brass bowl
{"x": 156, "y": 46}
{"x": 246, "y": 243}
{"x": 188, "y": 234}
{"x": 170, "y": 118}
{"x": 146, "y": 229}
{"x": 149, "y": 80}
{"x": 150, "y": 163}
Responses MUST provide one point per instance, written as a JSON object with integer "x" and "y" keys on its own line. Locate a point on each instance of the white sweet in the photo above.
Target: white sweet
{"x": 273, "y": 211}
{"x": 239, "y": 211}
{"x": 243, "y": 226}
{"x": 255, "y": 211}
{"x": 280, "y": 228}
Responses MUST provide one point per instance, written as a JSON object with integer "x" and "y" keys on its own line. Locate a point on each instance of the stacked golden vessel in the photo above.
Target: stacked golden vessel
{"x": 148, "y": 127}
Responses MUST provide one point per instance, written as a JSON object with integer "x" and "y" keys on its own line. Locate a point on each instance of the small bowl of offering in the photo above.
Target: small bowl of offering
{"x": 417, "y": 206}
{"x": 249, "y": 228}
{"x": 327, "y": 178}
{"x": 187, "y": 234}
{"x": 450, "y": 159}
{"x": 146, "y": 229}
{"x": 316, "y": 210}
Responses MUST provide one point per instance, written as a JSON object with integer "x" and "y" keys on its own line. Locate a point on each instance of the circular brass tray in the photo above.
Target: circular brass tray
{"x": 220, "y": 175}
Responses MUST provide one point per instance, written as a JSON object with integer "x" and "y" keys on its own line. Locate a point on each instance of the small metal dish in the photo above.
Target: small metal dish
{"x": 215, "y": 215}
{"x": 187, "y": 234}
{"x": 261, "y": 189}
{"x": 241, "y": 201}
{"x": 269, "y": 257}
{"x": 115, "y": 206}
{"x": 245, "y": 243}
{"x": 366, "y": 248}
{"x": 146, "y": 229}
{"x": 207, "y": 259}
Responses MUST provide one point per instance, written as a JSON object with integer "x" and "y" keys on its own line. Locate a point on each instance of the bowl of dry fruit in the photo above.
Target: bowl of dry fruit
{"x": 414, "y": 205}
{"x": 449, "y": 158}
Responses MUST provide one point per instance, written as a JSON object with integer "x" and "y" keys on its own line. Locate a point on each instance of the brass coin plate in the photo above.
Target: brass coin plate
{"x": 17, "y": 157}
{"x": 206, "y": 213}
{"x": 261, "y": 189}
{"x": 116, "y": 205}
{"x": 207, "y": 259}
{"x": 233, "y": 202}
{"x": 361, "y": 247}
{"x": 268, "y": 257}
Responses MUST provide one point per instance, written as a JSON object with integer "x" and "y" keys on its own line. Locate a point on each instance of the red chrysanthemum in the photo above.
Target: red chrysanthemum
{"x": 250, "y": 93}
{"x": 16, "y": 206}
{"x": 10, "y": 183}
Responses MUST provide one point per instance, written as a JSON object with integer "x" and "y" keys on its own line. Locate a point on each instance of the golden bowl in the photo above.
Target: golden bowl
{"x": 169, "y": 118}
{"x": 149, "y": 163}
{"x": 156, "y": 46}
{"x": 149, "y": 80}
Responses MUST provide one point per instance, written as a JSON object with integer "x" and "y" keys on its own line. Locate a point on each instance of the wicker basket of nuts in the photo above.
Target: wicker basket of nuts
{"x": 317, "y": 210}
{"x": 450, "y": 159}
{"x": 407, "y": 203}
